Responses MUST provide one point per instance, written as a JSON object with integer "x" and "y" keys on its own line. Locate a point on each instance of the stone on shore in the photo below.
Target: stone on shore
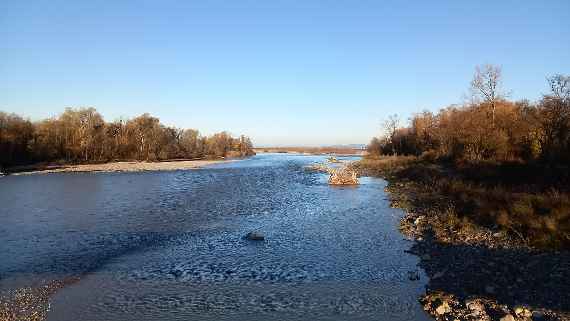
{"x": 443, "y": 308}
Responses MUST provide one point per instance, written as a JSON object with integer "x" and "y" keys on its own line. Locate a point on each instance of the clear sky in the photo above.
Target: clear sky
{"x": 300, "y": 72}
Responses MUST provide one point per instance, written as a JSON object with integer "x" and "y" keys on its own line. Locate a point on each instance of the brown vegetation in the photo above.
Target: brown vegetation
{"x": 490, "y": 164}
{"x": 492, "y": 129}
{"x": 460, "y": 202}
{"x": 82, "y": 136}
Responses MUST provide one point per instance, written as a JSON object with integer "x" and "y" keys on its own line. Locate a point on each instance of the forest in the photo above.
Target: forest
{"x": 489, "y": 127}
{"x": 82, "y": 136}
{"x": 489, "y": 163}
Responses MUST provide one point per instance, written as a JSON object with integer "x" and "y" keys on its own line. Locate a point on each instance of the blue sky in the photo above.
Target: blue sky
{"x": 283, "y": 72}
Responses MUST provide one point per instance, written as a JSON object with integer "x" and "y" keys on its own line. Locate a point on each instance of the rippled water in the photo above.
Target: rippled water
{"x": 170, "y": 246}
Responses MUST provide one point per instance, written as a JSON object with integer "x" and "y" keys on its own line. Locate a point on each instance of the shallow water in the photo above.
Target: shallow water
{"x": 170, "y": 246}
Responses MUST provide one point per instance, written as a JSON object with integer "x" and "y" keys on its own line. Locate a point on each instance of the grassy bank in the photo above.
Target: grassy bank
{"x": 522, "y": 204}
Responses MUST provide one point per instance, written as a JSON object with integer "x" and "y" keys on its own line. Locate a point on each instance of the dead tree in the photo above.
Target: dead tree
{"x": 486, "y": 84}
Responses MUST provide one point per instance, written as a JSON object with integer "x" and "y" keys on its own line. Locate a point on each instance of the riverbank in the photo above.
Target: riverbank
{"x": 134, "y": 166}
{"x": 477, "y": 271}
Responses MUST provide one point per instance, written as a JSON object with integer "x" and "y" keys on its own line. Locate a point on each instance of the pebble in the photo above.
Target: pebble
{"x": 476, "y": 307}
{"x": 537, "y": 315}
{"x": 413, "y": 275}
{"x": 521, "y": 311}
{"x": 443, "y": 308}
{"x": 418, "y": 220}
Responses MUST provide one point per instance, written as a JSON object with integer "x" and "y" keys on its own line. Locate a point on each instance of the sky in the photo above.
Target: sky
{"x": 285, "y": 73}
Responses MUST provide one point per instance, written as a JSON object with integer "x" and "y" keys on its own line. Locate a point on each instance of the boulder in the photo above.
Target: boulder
{"x": 522, "y": 312}
{"x": 443, "y": 308}
{"x": 255, "y": 236}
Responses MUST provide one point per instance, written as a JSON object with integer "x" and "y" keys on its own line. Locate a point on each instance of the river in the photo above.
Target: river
{"x": 170, "y": 245}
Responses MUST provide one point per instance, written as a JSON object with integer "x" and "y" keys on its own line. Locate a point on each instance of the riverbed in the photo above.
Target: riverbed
{"x": 171, "y": 246}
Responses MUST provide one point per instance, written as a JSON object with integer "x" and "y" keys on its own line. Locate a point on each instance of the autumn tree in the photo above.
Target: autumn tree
{"x": 81, "y": 135}
{"x": 15, "y": 135}
{"x": 555, "y": 117}
{"x": 191, "y": 143}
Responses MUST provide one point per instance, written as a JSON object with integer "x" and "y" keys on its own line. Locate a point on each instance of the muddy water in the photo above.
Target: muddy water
{"x": 169, "y": 245}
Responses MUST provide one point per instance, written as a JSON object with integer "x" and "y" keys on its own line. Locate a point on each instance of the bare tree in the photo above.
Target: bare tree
{"x": 391, "y": 126}
{"x": 486, "y": 84}
{"x": 555, "y": 115}
{"x": 560, "y": 87}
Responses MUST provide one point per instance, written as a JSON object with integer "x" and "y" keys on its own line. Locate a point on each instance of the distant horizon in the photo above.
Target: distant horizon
{"x": 284, "y": 73}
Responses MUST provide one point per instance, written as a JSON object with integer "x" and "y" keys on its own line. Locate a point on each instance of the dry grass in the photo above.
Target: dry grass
{"x": 536, "y": 212}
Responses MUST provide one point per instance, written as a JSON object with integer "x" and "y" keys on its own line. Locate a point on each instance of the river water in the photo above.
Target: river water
{"x": 170, "y": 246}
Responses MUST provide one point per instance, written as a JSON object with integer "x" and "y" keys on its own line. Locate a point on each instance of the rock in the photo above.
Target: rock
{"x": 521, "y": 311}
{"x": 443, "y": 309}
{"x": 537, "y": 315}
{"x": 255, "y": 236}
{"x": 508, "y": 317}
{"x": 476, "y": 307}
{"x": 418, "y": 220}
{"x": 413, "y": 275}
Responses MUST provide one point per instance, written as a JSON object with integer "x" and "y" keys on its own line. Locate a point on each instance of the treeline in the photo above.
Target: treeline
{"x": 81, "y": 135}
{"x": 489, "y": 127}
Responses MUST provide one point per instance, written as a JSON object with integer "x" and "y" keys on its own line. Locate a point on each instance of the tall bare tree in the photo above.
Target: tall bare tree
{"x": 555, "y": 112}
{"x": 486, "y": 84}
{"x": 391, "y": 126}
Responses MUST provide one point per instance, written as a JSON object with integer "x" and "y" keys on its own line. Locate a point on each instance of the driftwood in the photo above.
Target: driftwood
{"x": 338, "y": 175}
{"x": 343, "y": 176}
{"x": 333, "y": 159}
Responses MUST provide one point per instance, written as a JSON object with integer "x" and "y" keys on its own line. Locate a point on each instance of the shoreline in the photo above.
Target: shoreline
{"x": 479, "y": 273}
{"x": 121, "y": 166}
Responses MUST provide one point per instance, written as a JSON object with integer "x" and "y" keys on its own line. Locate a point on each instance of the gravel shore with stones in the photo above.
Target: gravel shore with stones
{"x": 30, "y": 303}
{"x": 478, "y": 273}
{"x": 119, "y": 167}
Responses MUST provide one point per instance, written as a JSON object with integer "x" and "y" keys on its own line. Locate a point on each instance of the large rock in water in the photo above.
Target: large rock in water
{"x": 255, "y": 236}
{"x": 343, "y": 176}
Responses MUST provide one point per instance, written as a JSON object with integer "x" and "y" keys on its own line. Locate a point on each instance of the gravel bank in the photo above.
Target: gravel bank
{"x": 124, "y": 167}
{"x": 479, "y": 273}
